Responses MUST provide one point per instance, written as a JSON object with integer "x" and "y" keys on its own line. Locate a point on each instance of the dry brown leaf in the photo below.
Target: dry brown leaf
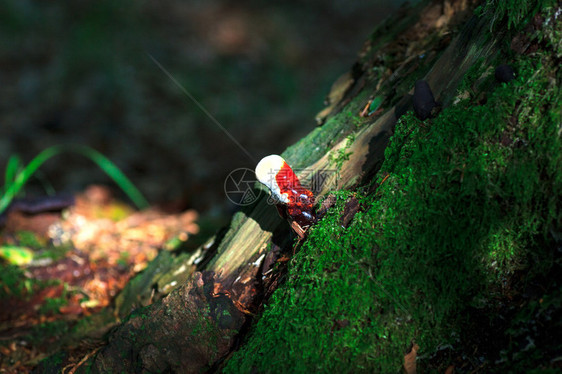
{"x": 410, "y": 360}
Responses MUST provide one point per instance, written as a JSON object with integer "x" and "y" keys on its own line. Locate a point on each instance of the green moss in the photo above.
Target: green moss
{"x": 340, "y": 156}
{"x": 48, "y": 330}
{"x": 29, "y": 239}
{"x": 89, "y": 324}
{"x": 470, "y": 201}
{"x": 53, "y": 252}
{"x": 14, "y": 281}
{"x": 53, "y": 363}
{"x": 52, "y": 305}
{"x": 514, "y": 11}
{"x": 16, "y": 285}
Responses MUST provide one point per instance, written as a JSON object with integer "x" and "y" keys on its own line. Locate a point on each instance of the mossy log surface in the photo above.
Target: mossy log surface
{"x": 196, "y": 326}
{"x": 188, "y": 332}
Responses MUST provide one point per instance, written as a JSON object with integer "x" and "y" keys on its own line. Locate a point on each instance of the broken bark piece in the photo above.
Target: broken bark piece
{"x": 327, "y": 203}
{"x": 270, "y": 260}
{"x": 423, "y": 100}
{"x": 350, "y": 209}
{"x": 339, "y": 324}
{"x": 504, "y": 73}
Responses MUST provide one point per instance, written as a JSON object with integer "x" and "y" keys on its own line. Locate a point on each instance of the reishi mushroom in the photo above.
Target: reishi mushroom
{"x": 294, "y": 202}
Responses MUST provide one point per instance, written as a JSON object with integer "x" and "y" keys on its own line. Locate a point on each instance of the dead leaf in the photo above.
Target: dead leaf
{"x": 410, "y": 360}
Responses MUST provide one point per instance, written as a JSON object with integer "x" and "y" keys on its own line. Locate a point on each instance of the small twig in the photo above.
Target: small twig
{"x": 90, "y": 354}
{"x": 365, "y": 112}
{"x": 384, "y": 179}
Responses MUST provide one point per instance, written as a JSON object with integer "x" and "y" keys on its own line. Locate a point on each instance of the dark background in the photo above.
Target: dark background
{"x": 79, "y": 72}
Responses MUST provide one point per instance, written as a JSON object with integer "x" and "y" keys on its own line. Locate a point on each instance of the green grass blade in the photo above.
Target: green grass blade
{"x": 17, "y": 180}
{"x": 113, "y": 171}
{"x": 22, "y": 177}
{"x": 12, "y": 168}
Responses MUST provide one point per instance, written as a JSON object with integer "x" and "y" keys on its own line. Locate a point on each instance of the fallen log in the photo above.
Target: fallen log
{"x": 195, "y": 327}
